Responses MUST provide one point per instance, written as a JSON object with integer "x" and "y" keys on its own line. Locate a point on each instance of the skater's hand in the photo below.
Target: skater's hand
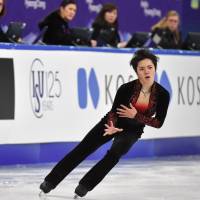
{"x": 125, "y": 111}
{"x": 110, "y": 130}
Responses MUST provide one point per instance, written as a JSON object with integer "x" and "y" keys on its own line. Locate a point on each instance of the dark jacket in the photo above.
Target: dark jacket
{"x": 105, "y": 34}
{"x": 158, "y": 105}
{"x": 3, "y": 37}
{"x": 58, "y": 31}
{"x": 167, "y": 39}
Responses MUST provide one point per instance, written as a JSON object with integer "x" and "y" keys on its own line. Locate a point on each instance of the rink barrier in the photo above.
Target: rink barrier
{"x": 52, "y": 152}
{"x": 97, "y": 49}
{"x": 25, "y": 139}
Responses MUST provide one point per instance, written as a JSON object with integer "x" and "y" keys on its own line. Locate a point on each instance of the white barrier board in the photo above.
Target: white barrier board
{"x": 60, "y": 95}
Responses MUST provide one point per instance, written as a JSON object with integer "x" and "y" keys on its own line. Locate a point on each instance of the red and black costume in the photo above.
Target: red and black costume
{"x": 128, "y": 93}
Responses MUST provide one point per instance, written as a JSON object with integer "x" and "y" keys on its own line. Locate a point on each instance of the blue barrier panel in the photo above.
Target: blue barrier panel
{"x": 52, "y": 152}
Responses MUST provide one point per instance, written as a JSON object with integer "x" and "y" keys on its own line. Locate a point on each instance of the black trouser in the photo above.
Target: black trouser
{"x": 93, "y": 140}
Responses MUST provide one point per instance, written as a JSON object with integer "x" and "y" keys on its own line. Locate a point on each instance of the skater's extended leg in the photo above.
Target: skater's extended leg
{"x": 89, "y": 144}
{"x": 121, "y": 144}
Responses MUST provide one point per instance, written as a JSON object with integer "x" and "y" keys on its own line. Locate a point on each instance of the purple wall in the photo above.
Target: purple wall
{"x": 137, "y": 15}
{"x": 191, "y": 17}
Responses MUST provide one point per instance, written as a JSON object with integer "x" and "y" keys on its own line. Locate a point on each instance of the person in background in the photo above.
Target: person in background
{"x": 166, "y": 34}
{"x": 57, "y": 28}
{"x": 105, "y": 28}
{"x": 3, "y": 37}
{"x": 137, "y": 103}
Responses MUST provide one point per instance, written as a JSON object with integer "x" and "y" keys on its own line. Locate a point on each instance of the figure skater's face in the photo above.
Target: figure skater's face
{"x": 68, "y": 12}
{"x": 146, "y": 71}
{"x": 173, "y": 22}
{"x": 110, "y": 16}
{"x": 1, "y": 5}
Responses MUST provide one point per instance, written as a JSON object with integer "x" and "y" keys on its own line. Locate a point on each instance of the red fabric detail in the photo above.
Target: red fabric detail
{"x": 141, "y": 107}
{"x": 112, "y": 117}
{"x": 150, "y": 121}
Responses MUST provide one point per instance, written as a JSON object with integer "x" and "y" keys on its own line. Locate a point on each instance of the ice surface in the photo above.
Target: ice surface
{"x": 169, "y": 178}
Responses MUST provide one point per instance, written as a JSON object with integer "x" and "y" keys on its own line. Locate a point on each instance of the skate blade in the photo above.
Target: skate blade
{"x": 42, "y": 195}
{"x": 76, "y": 196}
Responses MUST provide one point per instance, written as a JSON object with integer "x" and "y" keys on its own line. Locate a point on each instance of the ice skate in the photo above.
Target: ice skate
{"x": 46, "y": 187}
{"x": 42, "y": 195}
{"x": 80, "y": 191}
{"x": 75, "y": 196}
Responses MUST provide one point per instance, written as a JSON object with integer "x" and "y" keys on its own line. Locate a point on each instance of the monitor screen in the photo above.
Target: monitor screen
{"x": 81, "y": 36}
{"x": 192, "y": 41}
{"x": 15, "y": 30}
{"x": 138, "y": 39}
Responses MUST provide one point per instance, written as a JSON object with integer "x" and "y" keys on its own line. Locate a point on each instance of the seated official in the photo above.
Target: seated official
{"x": 105, "y": 28}
{"x": 166, "y": 34}
{"x": 58, "y": 31}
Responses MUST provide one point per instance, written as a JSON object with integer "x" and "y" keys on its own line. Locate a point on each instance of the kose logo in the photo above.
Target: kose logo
{"x": 45, "y": 88}
{"x": 164, "y": 81}
{"x": 87, "y": 85}
{"x": 188, "y": 90}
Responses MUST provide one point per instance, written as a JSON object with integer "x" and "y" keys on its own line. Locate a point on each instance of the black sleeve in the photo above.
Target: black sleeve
{"x": 157, "y": 31}
{"x": 96, "y": 31}
{"x": 60, "y": 36}
{"x": 118, "y": 39}
{"x": 180, "y": 42}
{"x": 157, "y": 38}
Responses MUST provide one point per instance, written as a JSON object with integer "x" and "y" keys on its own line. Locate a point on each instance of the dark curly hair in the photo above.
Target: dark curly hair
{"x": 141, "y": 55}
{"x": 66, "y": 2}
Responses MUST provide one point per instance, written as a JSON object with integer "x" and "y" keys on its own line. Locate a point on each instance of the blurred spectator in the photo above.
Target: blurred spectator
{"x": 166, "y": 34}
{"x": 105, "y": 28}
{"x": 58, "y": 31}
{"x": 3, "y": 37}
